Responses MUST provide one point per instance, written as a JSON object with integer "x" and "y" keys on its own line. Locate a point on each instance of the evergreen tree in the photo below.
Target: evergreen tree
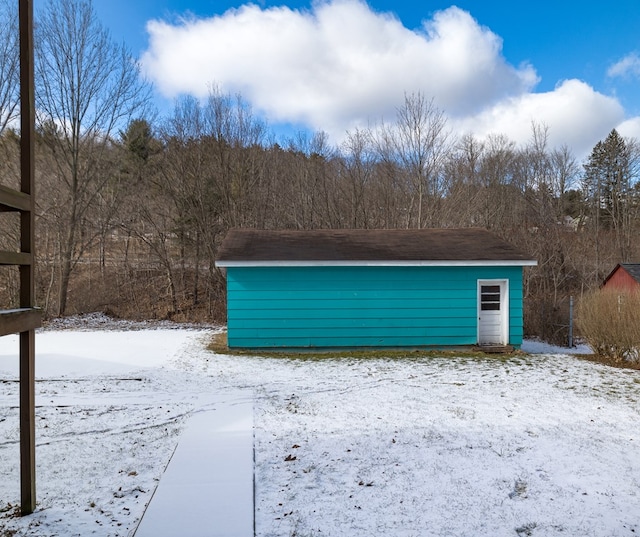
{"x": 607, "y": 188}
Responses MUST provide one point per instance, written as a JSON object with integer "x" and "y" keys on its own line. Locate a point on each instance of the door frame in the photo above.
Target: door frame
{"x": 504, "y": 307}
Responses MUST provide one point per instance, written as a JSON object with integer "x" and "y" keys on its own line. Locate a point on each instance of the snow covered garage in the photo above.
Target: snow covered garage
{"x": 427, "y": 288}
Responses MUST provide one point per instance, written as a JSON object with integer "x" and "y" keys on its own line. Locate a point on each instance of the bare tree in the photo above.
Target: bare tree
{"x": 88, "y": 88}
{"x": 496, "y": 173}
{"x": 421, "y": 143}
{"x": 9, "y": 69}
{"x": 464, "y": 190}
{"x": 210, "y": 178}
{"x": 232, "y": 131}
{"x": 358, "y": 162}
{"x": 565, "y": 170}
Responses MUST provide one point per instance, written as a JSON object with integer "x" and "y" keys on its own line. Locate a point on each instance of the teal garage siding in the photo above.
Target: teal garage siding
{"x": 363, "y": 306}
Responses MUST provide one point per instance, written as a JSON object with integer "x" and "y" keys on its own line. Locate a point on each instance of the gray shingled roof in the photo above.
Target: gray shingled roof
{"x": 344, "y": 245}
{"x": 633, "y": 269}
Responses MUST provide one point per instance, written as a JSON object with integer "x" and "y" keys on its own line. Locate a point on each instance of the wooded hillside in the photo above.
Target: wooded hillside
{"x": 132, "y": 206}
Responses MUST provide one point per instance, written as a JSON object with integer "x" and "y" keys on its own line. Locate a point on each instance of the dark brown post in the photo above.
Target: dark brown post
{"x": 27, "y": 241}
{"x": 25, "y": 319}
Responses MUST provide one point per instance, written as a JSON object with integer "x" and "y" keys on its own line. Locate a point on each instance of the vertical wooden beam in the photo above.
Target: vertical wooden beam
{"x": 27, "y": 241}
{"x": 27, "y": 423}
{"x": 27, "y": 100}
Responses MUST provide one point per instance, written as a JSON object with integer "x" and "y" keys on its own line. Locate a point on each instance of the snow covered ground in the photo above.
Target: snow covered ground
{"x": 542, "y": 444}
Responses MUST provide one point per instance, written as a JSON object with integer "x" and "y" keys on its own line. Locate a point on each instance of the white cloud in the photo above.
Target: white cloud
{"x": 341, "y": 64}
{"x": 630, "y": 128}
{"x": 576, "y": 116}
{"x": 627, "y": 66}
{"x": 340, "y": 61}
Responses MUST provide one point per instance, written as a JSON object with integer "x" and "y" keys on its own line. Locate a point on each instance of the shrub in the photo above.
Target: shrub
{"x": 609, "y": 320}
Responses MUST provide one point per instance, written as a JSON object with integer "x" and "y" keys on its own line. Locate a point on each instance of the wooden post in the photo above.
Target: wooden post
{"x": 27, "y": 241}
{"x": 27, "y": 424}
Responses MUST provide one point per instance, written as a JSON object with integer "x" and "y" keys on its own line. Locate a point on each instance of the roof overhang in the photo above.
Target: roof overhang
{"x": 412, "y": 263}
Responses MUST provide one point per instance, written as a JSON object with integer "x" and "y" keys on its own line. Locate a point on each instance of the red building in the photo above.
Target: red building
{"x": 625, "y": 276}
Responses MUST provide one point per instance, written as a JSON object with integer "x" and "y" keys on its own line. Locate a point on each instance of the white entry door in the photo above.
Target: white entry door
{"x": 493, "y": 312}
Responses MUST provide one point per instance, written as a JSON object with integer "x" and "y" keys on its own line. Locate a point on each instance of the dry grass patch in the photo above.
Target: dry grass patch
{"x": 219, "y": 345}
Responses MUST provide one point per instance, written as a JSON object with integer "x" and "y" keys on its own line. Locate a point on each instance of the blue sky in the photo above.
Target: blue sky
{"x": 492, "y": 66}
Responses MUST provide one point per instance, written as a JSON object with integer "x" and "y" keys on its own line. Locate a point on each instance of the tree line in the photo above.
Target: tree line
{"x": 131, "y": 206}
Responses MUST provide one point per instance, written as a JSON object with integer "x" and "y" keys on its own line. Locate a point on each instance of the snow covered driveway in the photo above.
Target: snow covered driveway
{"x": 532, "y": 445}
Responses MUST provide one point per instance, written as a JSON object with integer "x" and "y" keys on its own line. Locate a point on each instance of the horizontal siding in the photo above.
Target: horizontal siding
{"x": 361, "y": 306}
{"x": 356, "y": 321}
{"x": 347, "y": 332}
{"x": 361, "y": 294}
{"x": 378, "y": 305}
{"x": 357, "y": 274}
{"x": 315, "y": 284}
{"x": 331, "y": 342}
{"x": 355, "y": 313}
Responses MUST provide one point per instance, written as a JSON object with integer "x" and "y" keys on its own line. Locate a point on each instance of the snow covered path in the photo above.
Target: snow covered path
{"x": 212, "y": 470}
{"x": 109, "y": 408}
{"x": 447, "y": 446}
